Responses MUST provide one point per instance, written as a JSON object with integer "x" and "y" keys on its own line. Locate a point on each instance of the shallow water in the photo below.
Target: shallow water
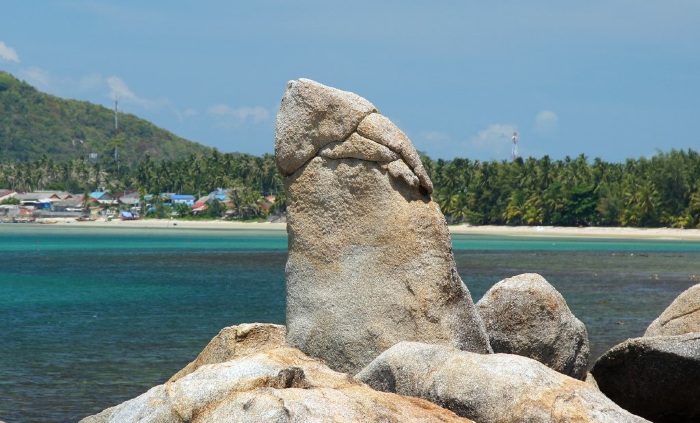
{"x": 91, "y": 317}
{"x": 615, "y": 287}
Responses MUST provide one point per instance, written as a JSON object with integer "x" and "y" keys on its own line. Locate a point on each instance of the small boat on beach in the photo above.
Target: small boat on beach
{"x": 127, "y": 215}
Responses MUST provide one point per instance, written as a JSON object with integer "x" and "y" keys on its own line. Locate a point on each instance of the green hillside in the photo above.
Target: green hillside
{"x": 33, "y": 124}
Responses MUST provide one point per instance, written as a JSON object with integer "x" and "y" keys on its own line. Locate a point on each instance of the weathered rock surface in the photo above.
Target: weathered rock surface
{"x": 280, "y": 385}
{"x": 655, "y": 377}
{"x": 236, "y": 341}
{"x": 311, "y": 117}
{"x": 590, "y": 380}
{"x": 370, "y": 258}
{"x": 527, "y": 316}
{"x": 489, "y": 387}
{"x": 681, "y": 317}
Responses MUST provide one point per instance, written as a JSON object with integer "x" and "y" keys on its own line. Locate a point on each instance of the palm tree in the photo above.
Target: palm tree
{"x": 642, "y": 203}
{"x": 515, "y": 210}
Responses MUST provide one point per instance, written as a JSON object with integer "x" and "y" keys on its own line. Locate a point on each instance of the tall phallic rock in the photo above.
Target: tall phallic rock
{"x": 370, "y": 259}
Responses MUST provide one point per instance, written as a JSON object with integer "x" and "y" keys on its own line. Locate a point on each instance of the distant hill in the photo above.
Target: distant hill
{"x": 33, "y": 124}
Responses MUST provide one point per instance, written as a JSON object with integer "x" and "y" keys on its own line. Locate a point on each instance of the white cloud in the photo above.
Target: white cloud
{"x": 183, "y": 115}
{"x": 37, "y": 76}
{"x": 227, "y": 116}
{"x": 546, "y": 122}
{"x": 8, "y": 53}
{"x": 496, "y": 140}
{"x": 119, "y": 90}
{"x": 90, "y": 82}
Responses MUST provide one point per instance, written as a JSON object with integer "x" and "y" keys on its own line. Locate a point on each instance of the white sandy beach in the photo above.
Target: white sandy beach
{"x": 173, "y": 224}
{"x": 573, "y": 232}
{"x": 529, "y": 231}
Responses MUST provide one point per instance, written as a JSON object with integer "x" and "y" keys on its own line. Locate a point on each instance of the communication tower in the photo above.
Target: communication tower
{"x": 116, "y": 132}
{"x": 514, "y": 150}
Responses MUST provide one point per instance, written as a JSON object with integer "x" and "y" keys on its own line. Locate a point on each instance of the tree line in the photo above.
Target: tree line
{"x": 661, "y": 191}
{"x": 248, "y": 179}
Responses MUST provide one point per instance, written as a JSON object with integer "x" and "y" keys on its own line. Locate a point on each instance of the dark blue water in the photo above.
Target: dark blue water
{"x": 92, "y": 317}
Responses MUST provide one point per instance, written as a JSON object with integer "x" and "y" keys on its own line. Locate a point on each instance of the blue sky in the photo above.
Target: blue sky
{"x": 613, "y": 79}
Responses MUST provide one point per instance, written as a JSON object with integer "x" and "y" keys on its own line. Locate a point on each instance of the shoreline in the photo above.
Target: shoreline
{"x": 576, "y": 232}
{"x": 492, "y": 230}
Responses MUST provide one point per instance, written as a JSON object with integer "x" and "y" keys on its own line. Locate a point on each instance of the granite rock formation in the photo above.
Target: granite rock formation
{"x": 370, "y": 258}
{"x": 681, "y": 317}
{"x": 527, "y": 316}
{"x": 236, "y": 341}
{"x": 657, "y": 377}
{"x": 489, "y": 388}
{"x": 277, "y": 385}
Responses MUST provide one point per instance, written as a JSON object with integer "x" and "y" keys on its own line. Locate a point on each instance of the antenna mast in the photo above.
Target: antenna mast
{"x": 116, "y": 115}
{"x": 514, "y": 151}
{"x": 116, "y": 132}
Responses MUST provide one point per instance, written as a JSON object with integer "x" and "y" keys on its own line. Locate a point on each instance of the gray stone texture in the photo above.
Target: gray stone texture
{"x": 681, "y": 317}
{"x": 489, "y": 388}
{"x": 312, "y": 116}
{"x": 279, "y": 385}
{"x": 236, "y": 341}
{"x": 370, "y": 258}
{"x": 655, "y": 377}
{"x": 527, "y": 316}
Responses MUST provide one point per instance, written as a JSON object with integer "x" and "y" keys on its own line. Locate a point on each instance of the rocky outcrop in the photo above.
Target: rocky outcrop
{"x": 489, "y": 388}
{"x": 370, "y": 259}
{"x": 236, "y": 341}
{"x": 279, "y": 385}
{"x": 655, "y": 377}
{"x": 527, "y": 316}
{"x": 681, "y": 317}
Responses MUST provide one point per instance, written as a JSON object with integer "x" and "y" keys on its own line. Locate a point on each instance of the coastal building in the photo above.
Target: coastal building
{"x": 6, "y": 193}
{"x": 8, "y": 212}
{"x": 182, "y": 199}
{"x": 219, "y": 194}
{"x": 103, "y": 197}
{"x": 36, "y": 200}
{"x": 130, "y": 199}
{"x": 73, "y": 204}
{"x": 43, "y": 196}
{"x": 200, "y": 205}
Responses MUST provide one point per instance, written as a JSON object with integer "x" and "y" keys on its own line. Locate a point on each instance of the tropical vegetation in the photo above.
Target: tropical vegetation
{"x": 661, "y": 191}
{"x": 35, "y": 124}
{"x": 48, "y": 143}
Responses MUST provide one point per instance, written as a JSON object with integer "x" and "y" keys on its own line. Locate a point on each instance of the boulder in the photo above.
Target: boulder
{"x": 681, "y": 317}
{"x": 590, "y": 380}
{"x": 236, "y": 341}
{"x": 370, "y": 258}
{"x": 312, "y": 116}
{"x": 655, "y": 377}
{"x": 527, "y": 316}
{"x": 489, "y": 387}
{"x": 279, "y": 385}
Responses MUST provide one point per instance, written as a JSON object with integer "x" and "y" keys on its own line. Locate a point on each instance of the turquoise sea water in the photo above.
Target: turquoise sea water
{"x": 91, "y": 317}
